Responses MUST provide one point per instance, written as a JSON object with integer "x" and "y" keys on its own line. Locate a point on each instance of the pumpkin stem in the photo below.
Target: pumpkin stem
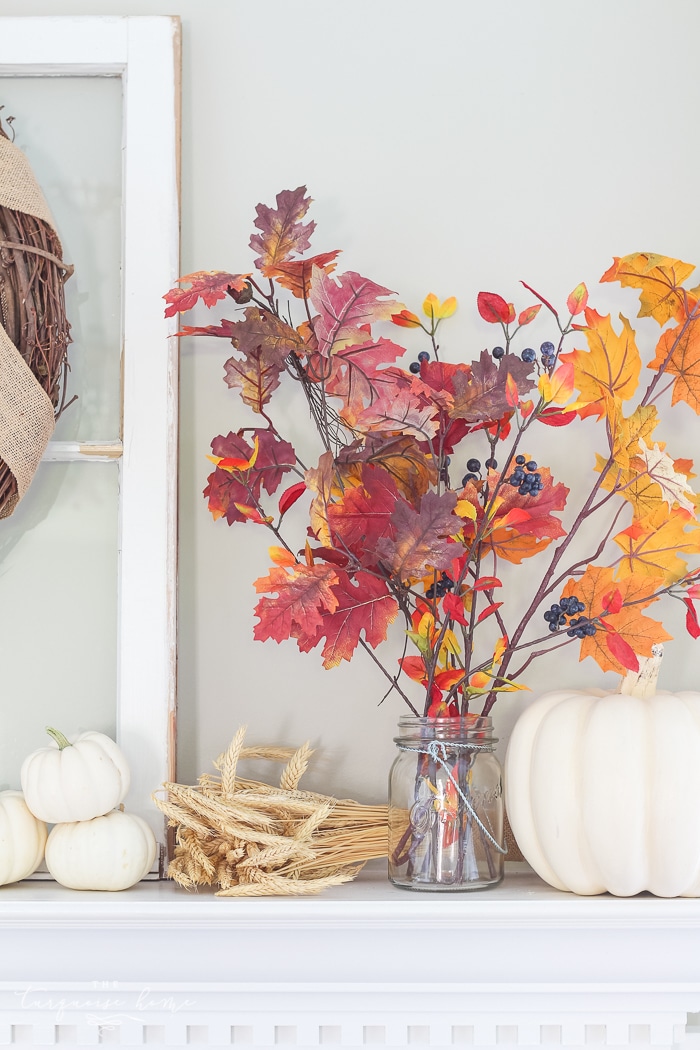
{"x": 642, "y": 683}
{"x": 60, "y": 739}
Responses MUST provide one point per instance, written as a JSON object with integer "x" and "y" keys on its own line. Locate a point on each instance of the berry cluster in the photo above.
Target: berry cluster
{"x": 525, "y": 477}
{"x": 415, "y": 365}
{"x": 566, "y": 609}
{"x": 548, "y": 354}
{"x": 440, "y": 587}
{"x": 474, "y": 466}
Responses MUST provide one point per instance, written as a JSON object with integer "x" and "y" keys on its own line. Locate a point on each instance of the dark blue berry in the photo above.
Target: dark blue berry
{"x": 414, "y": 367}
{"x": 498, "y": 352}
{"x": 531, "y": 466}
{"x": 528, "y": 355}
{"x": 424, "y": 355}
{"x": 467, "y": 478}
{"x": 520, "y": 460}
{"x": 491, "y": 463}
{"x": 430, "y": 593}
{"x": 473, "y": 464}
{"x": 547, "y": 348}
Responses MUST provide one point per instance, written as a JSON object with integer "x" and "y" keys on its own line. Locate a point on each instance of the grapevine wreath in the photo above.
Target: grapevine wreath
{"x": 34, "y": 331}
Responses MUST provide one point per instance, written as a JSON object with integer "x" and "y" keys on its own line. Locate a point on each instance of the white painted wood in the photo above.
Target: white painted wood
{"x": 521, "y": 965}
{"x": 144, "y": 52}
{"x": 147, "y": 616}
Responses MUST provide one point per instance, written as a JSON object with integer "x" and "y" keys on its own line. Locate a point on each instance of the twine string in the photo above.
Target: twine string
{"x": 436, "y": 750}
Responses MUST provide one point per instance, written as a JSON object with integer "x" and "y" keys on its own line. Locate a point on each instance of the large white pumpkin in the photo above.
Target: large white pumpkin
{"x": 22, "y": 838}
{"x": 110, "y": 852}
{"x": 75, "y": 781}
{"x": 603, "y": 792}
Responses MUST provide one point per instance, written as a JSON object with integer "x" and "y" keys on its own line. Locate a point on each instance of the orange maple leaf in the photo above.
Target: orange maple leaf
{"x": 653, "y": 546}
{"x": 658, "y": 277}
{"x": 682, "y": 343}
{"x": 608, "y": 372}
{"x": 640, "y": 632}
{"x": 295, "y": 274}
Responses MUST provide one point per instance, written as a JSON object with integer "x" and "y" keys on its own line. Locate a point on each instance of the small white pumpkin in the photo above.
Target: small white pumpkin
{"x": 74, "y": 781}
{"x": 22, "y": 838}
{"x": 110, "y": 852}
{"x": 603, "y": 791}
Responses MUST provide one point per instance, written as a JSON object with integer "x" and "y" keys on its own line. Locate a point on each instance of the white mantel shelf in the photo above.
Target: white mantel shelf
{"x": 363, "y": 964}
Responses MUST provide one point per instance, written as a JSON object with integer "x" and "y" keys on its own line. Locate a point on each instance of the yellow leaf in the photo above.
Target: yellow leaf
{"x": 450, "y": 647}
{"x": 630, "y": 431}
{"x": 435, "y": 310}
{"x": 479, "y": 680}
{"x": 281, "y": 556}
{"x": 544, "y": 385}
{"x": 500, "y": 648}
{"x": 513, "y": 687}
{"x": 465, "y": 509}
{"x": 561, "y": 384}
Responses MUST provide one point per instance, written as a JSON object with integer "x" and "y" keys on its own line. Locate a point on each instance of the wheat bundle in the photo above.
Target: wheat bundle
{"x": 34, "y": 330}
{"x": 252, "y": 839}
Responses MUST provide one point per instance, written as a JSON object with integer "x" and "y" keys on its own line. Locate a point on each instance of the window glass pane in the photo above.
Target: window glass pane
{"x": 58, "y": 609}
{"x": 70, "y": 129}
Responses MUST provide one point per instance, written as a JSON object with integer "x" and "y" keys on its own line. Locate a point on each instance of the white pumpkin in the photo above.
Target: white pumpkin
{"x": 110, "y": 852}
{"x": 74, "y": 781}
{"x": 22, "y": 838}
{"x": 603, "y": 791}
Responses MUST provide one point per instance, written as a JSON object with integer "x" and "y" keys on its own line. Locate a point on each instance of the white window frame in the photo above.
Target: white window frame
{"x": 144, "y": 52}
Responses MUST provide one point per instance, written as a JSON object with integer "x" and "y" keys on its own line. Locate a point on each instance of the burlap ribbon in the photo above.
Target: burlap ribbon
{"x": 26, "y": 412}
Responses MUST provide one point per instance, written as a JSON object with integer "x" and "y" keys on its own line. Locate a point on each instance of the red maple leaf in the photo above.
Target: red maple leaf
{"x": 485, "y": 393}
{"x": 344, "y": 306}
{"x": 421, "y": 539}
{"x": 355, "y": 377}
{"x": 363, "y": 516}
{"x": 264, "y": 341}
{"x": 223, "y": 331}
{"x": 440, "y": 375}
{"x": 209, "y": 286}
{"x": 281, "y": 232}
{"x": 364, "y": 607}
{"x": 304, "y": 594}
{"x": 540, "y": 521}
{"x": 225, "y": 489}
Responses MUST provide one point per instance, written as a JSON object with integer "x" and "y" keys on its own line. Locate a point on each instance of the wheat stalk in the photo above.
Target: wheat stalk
{"x": 251, "y": 839}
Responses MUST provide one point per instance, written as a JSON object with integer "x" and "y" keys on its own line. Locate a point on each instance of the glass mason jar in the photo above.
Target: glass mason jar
{"x": 446, "y": 805}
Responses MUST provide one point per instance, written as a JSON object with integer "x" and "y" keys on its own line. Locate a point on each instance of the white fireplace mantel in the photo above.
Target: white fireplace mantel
{"x": 364, "y": 964}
